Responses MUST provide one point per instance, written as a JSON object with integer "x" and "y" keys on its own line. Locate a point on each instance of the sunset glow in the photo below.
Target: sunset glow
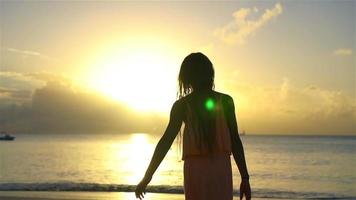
{"x": 141, "y": 75}
{"x": 91, "y": 105}
{"x": 288, "y": 70}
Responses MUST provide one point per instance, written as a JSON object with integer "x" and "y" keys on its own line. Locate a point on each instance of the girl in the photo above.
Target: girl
{"x": 210, "y": 136}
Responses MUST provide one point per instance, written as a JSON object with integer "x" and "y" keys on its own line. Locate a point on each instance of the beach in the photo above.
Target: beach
{"x": 32, "y": 195}
{"x": 26, "y": 195}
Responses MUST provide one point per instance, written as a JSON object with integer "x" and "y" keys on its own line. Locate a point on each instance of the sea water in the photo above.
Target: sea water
{"x": 279, "y": 166}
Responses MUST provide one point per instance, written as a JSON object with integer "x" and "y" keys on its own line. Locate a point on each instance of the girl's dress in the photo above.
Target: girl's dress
{"x": 207, "y": 176}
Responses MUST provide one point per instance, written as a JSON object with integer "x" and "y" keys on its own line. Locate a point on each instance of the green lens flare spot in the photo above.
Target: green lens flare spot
{"x": 209, "y": 104}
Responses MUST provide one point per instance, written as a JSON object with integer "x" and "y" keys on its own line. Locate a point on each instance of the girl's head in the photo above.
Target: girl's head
{"x": 196, "y": 73}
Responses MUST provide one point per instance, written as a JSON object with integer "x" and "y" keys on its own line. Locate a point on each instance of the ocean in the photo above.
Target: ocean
{"x": 289, "y": 167}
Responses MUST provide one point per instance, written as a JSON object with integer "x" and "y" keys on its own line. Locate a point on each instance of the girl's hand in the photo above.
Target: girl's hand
{"x": 141, "y": 188}
{"x": 245, "y": 189}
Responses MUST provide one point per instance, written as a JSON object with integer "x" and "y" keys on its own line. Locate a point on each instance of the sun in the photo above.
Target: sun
{"x": 142, "y": 76}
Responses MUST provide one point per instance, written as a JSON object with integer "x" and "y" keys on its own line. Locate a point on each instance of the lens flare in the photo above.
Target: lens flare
{"x": 209, "y": 104}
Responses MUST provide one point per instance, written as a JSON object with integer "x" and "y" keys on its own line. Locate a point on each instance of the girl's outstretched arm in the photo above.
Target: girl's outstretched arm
{"x": 238, "y": 150}
{"x": 174, "y": 125}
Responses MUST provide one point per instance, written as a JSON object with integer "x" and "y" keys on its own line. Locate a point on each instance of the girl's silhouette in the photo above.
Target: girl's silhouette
{"x": 210, "y": 136}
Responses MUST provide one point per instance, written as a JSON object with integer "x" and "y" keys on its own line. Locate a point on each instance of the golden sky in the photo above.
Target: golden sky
{"x": 290, "y": 66}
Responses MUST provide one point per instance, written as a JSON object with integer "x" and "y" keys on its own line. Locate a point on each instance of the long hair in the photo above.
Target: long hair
{"x": 197, "y": 73}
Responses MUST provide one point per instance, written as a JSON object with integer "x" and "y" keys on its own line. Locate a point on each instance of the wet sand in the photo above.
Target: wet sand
{"x": 31, "y": 195}
{"x": 22, "y": 195}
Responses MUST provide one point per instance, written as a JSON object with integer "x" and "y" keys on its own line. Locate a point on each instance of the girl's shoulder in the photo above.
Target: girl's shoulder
{"x": 224, "y": 97}
{"x": 184, "y": 99}
{"x": 226, "y": 101}
{"x": 180, "y": 103}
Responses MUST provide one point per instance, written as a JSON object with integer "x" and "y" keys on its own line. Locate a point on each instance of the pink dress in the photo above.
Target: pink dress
{"x": 207, "y": 176}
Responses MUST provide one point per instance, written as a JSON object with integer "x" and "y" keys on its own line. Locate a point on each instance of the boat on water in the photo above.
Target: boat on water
{"x": 6, "y": 137}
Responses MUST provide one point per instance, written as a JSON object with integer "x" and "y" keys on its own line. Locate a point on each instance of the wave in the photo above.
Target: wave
{"x": 96, "y": 187}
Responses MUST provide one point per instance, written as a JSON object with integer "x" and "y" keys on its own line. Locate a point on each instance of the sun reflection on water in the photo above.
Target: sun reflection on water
{"x": 127, "y": 159}
{"x": 138, "y": 153}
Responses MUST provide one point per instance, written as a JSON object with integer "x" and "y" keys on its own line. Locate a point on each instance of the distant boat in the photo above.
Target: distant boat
{"x": 243, "y": 133}
{"x": 5, "y": 136}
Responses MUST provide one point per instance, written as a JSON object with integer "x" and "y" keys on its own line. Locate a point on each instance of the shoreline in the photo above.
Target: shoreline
{"x": 76, "y": 195}
{"x": 61, "y": 195}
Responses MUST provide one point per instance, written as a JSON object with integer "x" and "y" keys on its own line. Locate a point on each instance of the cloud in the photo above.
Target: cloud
{"x": 284, "y": 88}
{"x": 56, "y": 106}
{"x": 17, "y": 88}
{"x": 50, "y": 77}
{"x": 17, "y": 94}
{"x": 288, "y": 109}
{"x": 18, "y": 81}
{"x": 43, "y": 102}
{"x": 343, "y": 52}
{"x": 26, "y": 53}
{"x": 238, "y": 30}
